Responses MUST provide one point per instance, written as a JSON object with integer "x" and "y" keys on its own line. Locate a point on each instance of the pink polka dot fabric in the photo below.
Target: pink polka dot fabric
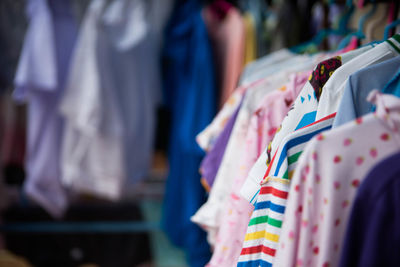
{"x": 325, "y": 183}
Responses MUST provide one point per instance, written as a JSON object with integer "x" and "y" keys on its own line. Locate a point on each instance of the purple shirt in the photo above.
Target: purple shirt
{"x": 211, "y": 162}
{"x": 373, "y": 233}
{"x": 39, "y": 80}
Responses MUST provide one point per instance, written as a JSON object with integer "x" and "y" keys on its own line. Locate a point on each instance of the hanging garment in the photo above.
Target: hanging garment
{"x": 216, "y": 144}
{"x": 353, "y": 103}
{"x": 262, "y": 126}
{"x": 302, "y": 114}
{"x": 267, "y": 61}
{"x": 211, "y": 162}
{"x": 207, "y": 138}
{"x": 123, "y": 89}
{"x": 190, "y": 90}
{"x": 92, "y": 153}
{"x": 375, "y": 209}
{"x": 226, "y": 31}
{"x": 130, "y": 48}
{"x": 274, "y": 63}
{"x": 40, "y": 80}
{"x": 208, "y": 216}
{"x": 40, "y": 34}
{"x": 261, "y": 239}
{"x": 333, "y": 90}
{"x": 325, "y": 182}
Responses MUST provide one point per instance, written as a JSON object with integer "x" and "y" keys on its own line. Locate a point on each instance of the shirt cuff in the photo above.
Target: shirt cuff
{"x": 250, "y": 189}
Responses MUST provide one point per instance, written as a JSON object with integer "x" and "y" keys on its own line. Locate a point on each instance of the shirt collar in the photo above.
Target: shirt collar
{"x": 394, "y": 42}
{"x": 393, "y": 86}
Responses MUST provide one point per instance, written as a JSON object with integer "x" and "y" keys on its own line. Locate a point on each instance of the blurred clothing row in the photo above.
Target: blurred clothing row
{"x": 93, "y": 73}
{"x": 206, "y": 48}
{"x": 90, "y": 72}
{"x": 92, "y": 92}
{"x": 297, "y": 163}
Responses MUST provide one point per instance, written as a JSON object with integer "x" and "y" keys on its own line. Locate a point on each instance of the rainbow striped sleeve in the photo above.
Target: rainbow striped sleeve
{"x": 264, "y": 228}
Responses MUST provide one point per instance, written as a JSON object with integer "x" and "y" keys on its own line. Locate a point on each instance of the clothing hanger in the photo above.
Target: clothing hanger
{"x": 375, "y": 23}
{"x": 389, "y": 27}
{"x": 312, "y": 45}
{"x": 359, "y": 34}
{"x": 393, "y": 15}
{"x": 344, "y": 20}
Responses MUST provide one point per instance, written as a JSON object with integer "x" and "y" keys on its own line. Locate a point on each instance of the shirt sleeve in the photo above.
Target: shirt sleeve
{"x": 288, "y": 245}
{"x": 37, "y": 66}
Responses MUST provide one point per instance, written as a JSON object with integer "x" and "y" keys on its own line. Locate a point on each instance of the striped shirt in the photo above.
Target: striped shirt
{"x": 265, "y": 224}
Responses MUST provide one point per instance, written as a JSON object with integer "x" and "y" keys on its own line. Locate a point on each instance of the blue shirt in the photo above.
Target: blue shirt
{"x": 189, "y": 86}
{"x": 354, "y": 102}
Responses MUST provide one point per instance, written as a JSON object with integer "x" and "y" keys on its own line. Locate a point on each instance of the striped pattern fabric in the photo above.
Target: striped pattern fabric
{"x": 394, "y": 41}
{"x": 263, "y": 230}
{"x": 293, "y": 146}
{"x": 259, "y": 246}
{"x": 286, "y": 163}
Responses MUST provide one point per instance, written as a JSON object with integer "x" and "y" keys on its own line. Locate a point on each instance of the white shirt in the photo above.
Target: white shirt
{"x": 92, "y": 155}
{"x": 334, "y": 88}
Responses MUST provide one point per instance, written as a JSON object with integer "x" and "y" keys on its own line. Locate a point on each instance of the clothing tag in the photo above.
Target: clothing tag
{"x": 274, "y": 179}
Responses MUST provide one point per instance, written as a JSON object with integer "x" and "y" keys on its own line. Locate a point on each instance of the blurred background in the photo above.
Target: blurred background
{"x": 100, "y": 105}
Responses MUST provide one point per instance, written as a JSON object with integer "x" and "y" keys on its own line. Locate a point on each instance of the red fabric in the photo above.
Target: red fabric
{"x": 220, "y": 8}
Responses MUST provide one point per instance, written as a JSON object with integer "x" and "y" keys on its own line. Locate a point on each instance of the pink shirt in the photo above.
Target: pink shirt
{"x": 227, "y": 35}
